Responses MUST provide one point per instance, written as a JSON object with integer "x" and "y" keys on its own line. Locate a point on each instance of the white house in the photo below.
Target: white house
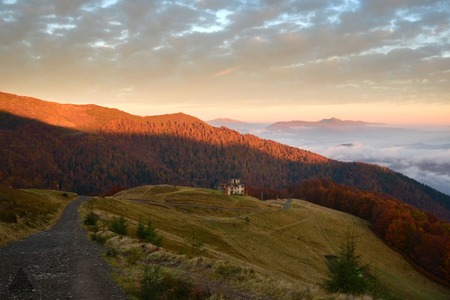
{"x": 234, "y": 187}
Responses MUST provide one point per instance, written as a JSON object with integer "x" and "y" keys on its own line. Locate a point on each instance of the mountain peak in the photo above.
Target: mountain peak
{"x": 331, "y": 120}
{"x": 175, "y": 117}
{"x": 225, "y": 121}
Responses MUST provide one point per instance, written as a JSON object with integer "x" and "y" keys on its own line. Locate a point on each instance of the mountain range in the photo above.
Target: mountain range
{"x": 242, "y": 127}
{"x": 91, "y": 149}
{"x": 288, "y": 126}
{"x": 329, "y": 123}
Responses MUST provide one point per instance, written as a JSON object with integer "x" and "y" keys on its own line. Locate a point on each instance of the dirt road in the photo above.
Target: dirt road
{"x": 60, "y": 263}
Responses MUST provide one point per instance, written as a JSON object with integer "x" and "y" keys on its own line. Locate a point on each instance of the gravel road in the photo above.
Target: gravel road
{"x": 60, "y": 263}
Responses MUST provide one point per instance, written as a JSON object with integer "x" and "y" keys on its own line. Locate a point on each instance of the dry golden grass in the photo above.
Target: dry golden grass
{"x": 23, "y": 212}
{"x": 203, "y": 201}
{"x": 284, "y": 249}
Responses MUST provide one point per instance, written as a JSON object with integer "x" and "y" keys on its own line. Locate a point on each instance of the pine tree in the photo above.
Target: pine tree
{"x": 148, "y": 234}
{"x": 347, "y": 275}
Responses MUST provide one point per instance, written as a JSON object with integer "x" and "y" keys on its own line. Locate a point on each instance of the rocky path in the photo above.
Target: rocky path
{"x": 59, "y": 263}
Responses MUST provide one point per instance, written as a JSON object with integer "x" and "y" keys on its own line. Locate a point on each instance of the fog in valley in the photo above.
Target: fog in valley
{"x": 422, "y": 153}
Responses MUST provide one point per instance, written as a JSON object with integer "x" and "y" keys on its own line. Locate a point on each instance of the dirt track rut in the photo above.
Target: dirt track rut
{"x": 60, "y": 263}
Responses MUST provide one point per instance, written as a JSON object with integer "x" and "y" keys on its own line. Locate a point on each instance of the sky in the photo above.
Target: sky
{"x": 373, "y": 60}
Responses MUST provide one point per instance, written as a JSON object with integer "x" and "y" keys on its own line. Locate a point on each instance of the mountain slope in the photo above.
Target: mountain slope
{"x": 106, "y": 148}
{"x": 285, "y": 250}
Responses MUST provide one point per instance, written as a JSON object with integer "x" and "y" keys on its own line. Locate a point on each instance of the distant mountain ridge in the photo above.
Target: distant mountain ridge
{"x": 283, "y": 127}
{"x": 332, "y": 122}
{"x": 224, "y": 121}
{"x": 90, "y": 149}
{"x": 243, "y": 127}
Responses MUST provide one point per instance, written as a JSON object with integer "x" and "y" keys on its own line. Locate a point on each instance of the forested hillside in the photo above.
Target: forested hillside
{"x": 105, "y": 149}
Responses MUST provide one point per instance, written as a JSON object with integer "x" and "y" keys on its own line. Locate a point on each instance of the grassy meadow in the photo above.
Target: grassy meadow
{"x": 23, "y": 212}
{"x": 239, "y": 247}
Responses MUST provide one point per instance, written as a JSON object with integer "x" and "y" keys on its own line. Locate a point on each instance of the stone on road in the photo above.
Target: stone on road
{"x": 59, "y": 263}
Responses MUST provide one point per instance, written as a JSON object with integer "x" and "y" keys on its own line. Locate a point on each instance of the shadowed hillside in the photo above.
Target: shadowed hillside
{"x": 106, "y": 148}
{"x": 23, "y": 212}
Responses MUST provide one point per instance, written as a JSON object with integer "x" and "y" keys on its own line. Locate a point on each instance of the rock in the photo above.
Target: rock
{"x": 21, "y": 283}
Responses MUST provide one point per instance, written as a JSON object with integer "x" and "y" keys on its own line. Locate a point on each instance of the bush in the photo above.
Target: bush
{"x": 157, "y": 285}
{"x": 133, "y": 255}
{"x": 119, "y": 226}
{"x": 151, "y": 282}
{"x": 147, "y": 233}
{"x": 98, "y": 238}
{"x": 112, "y": 252}
{"x": 195, "y": 243}
{"x": 228, "y": 271}
{"x": 7, "y": 216}
{"x": 91, "y": 219}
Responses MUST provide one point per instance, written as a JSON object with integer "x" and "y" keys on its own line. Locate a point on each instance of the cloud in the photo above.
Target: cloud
{"x": 225, "y": 72}
{"x": 305, "y": 50}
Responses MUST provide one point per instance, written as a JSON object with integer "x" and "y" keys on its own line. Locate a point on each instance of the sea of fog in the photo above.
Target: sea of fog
{"x": 422, "y": 153}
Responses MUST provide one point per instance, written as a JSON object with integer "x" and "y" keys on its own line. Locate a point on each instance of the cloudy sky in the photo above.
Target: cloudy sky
{"x": 373, "y": 60}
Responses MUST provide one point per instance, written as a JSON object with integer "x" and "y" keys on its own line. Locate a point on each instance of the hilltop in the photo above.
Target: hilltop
{"x": 87, "y": 117}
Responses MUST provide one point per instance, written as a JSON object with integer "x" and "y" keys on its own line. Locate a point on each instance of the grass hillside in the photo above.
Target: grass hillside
{"x": 23, "y": 212}
{"x": 240, "y": 247}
